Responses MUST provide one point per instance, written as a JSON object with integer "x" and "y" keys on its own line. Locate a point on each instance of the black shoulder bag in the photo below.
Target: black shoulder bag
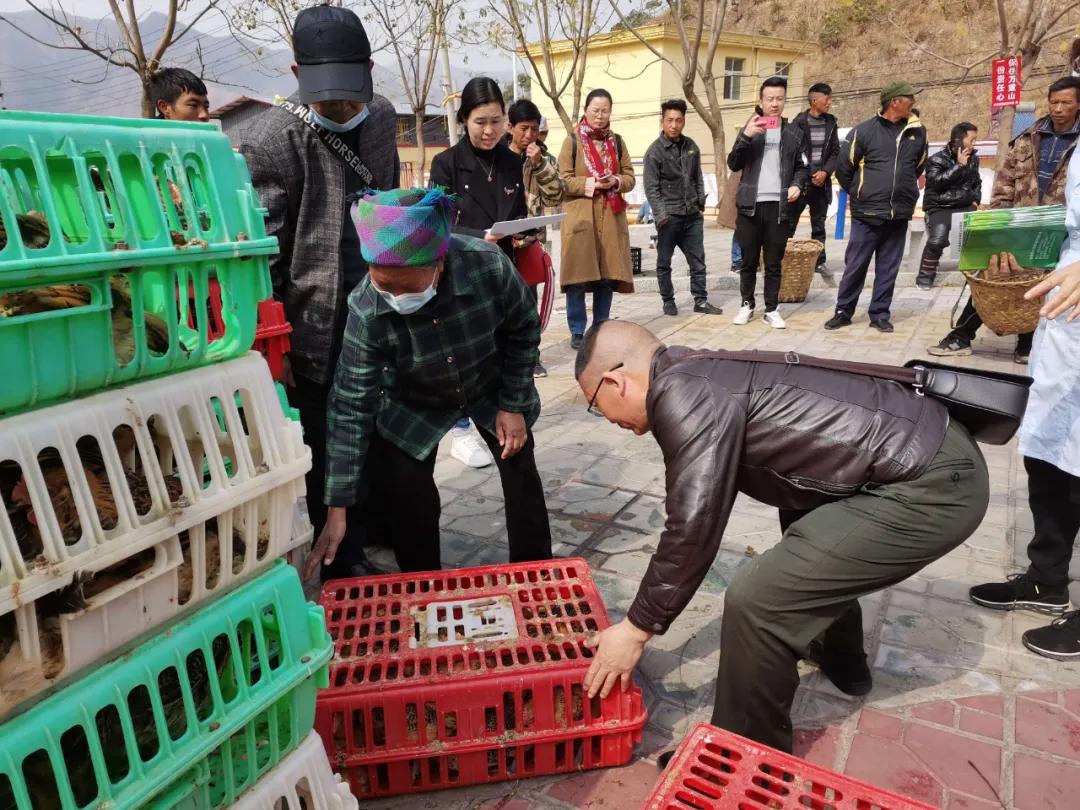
{"x": 990, "y": 404}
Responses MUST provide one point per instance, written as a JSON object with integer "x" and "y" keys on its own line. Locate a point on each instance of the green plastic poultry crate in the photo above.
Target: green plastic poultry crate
{"x": 189, "y": 718}
{"x": 134, "y": 219}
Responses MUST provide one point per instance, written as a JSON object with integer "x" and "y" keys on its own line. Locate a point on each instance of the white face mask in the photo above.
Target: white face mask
{"x": 407, "y": 303}
{"x": 334, "y": 126}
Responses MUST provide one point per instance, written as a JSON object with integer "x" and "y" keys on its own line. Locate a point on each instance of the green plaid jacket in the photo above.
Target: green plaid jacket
{"x": 469, "y": 351}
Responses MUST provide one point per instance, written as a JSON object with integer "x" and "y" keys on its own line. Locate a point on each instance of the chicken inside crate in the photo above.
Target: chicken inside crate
{"x": 105, "y": 536}
{"x": 466, "y": 677}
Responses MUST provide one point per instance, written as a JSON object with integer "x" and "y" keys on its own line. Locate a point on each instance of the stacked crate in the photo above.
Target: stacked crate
{"x": 151, "y": 651}
{"x": 465, "y": 677}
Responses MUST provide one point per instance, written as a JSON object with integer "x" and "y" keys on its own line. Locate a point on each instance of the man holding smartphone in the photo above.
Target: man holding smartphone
{"x": 771, "y": 154}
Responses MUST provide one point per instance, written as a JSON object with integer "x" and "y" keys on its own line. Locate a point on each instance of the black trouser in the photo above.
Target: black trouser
{"x": 969, "y": 324}
{"x": 688, "y": 234}
{"x": 309, "y": 397}
{"x": 938, "y": 224}
{"x": 1054, "y": 498}
{"x": 818, "y": 200}
{"x": 762, "y": 231}
{"x": 807, "y": 586}
{"x": 412, "y": 500}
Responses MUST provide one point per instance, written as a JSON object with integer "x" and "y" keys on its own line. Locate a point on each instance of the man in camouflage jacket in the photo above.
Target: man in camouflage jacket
{"x": 544, "y": 188}
{"x": 1033, "y": 174}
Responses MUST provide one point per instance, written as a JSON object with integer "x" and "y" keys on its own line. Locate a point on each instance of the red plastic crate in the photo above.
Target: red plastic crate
{"x": 454, "y": 678}
{"x": 271, "y": 331}
{"x": 717, "y": 770}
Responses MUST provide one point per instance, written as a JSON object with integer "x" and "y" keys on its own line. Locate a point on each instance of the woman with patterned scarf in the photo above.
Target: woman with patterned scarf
{"x": 595, "y": 164}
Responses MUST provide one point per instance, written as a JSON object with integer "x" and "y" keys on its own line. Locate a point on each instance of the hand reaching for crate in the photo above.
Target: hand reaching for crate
{"x": 326, "y": 546}
{"x": 618, "y": 650}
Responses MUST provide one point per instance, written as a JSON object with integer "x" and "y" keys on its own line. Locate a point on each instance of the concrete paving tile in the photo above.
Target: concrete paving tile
{"x": 614, "y": 472}
{"x": 589, "y": 501}
{"x": 985, "y": 725}
{"x": 645, "y": 512}
{"x": 879, "y": 724}
{"x": 1046, "y": 728}
{"x": 1042, "y": 784}
{"x": 888, "y": 764}
{"x": 616, "y": 787}
{"x": 674, "y": 678}
{"x": 571, "y": 530}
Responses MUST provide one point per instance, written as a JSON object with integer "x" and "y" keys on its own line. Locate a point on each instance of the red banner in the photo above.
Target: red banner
{"x": 1005, "y": 82}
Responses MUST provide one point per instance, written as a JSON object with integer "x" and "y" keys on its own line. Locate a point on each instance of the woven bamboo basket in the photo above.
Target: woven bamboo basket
{"x": 1000, "y": 301}
{"x": 797, "y": 271}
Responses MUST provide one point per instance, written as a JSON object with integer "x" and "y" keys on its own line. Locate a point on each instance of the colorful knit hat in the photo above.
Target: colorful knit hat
{"x": 404, "y": 227}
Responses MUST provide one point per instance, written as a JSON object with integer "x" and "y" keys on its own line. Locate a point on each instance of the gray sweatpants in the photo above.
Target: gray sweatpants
{"x": 808, "y": 585}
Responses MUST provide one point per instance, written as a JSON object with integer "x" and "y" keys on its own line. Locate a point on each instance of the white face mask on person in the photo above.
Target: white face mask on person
{"x": 334, "y": 126}
{"x": 407, "y": 303}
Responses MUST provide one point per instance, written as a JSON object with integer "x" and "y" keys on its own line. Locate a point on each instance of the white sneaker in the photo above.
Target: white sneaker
{"x": 746, "y": 312}
{"x": 774, "y": 320}
{"x": 468, "y": 448}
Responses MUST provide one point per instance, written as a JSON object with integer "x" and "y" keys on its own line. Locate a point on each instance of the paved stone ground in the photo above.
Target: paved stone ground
{"x": 961, "y": 715}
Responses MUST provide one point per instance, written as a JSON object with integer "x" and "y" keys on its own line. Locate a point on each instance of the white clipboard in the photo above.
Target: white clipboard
{"x": 512, "y": 226}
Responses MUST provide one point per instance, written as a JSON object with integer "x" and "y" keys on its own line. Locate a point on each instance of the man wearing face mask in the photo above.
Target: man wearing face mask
{"x": 442, "y": 327}
{"x": 309, "y": 156}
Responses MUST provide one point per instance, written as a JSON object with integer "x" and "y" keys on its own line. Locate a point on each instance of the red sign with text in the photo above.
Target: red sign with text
{"x": 1005, "y": 82}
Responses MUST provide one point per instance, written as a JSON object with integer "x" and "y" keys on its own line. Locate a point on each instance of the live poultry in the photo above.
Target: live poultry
{"x": 33, "y": 228}
{"x": 70, "y": 296}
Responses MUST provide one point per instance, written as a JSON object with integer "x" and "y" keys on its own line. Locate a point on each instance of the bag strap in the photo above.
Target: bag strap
{"x": 334, "y": 142}
{"x": 907, "y": 376}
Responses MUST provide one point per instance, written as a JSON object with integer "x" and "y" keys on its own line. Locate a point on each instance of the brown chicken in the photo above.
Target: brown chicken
{"x": 33, "y": 228}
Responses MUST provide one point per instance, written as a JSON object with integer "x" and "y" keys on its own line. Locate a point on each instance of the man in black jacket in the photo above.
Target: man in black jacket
{"x": 953, "y": 185}
{"x": 872, "y": 481}
{"x": 822, "y": 137}
{"x": 675, "y": 188}
{"x": 880, "y": 163}
{"x": 771, "y": 154}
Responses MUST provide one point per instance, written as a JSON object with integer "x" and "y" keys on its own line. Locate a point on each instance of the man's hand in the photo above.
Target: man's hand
{"x": 534, "y": 154}
{"x": 793, "y": 194}
{"x": 618, "y": 650}
{"x": 818, "y": 178}
{"x": 286, "y": 372}
{"x": 489, "y": 237}
{"x": 753, "y": 128}
{"x": 1068, "y": 278}
{"x": 510, "y": 431}
{"x": 1002, "y": 266}
{"x": 329, "y": 539}
{"x": 963, "y": 156}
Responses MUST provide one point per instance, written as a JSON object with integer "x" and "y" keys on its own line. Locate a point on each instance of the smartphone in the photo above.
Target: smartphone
{"x": 768, "y": 121}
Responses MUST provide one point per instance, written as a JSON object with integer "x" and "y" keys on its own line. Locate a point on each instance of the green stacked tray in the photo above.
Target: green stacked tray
{"x": 134, "y": 218}
{"x": 190, "y": 718}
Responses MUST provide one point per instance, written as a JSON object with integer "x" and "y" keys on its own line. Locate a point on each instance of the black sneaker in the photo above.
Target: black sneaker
{"x": 664, "y": 757}
{"x": 575, "y": 341}
{"x": 708, "y": 309}
{"x": 1059, "y": 640}
{"x": 1021, "y": 592}
{"x": 924, "y": 282}
{"x": 838, "y": 320}
{"x": 882, "y": 325}
{"x": 950, "y": 347}
{"x": 539, "y": 370}
{"x": 736, "y": 268}
{"x": 670, "y": 308}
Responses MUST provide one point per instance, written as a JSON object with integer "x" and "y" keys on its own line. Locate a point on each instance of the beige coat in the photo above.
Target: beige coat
{"x": 595, "y": 242}
{"x": 729, "y": 212}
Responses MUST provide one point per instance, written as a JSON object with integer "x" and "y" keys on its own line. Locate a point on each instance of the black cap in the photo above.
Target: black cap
{"x": 333, "y": 55}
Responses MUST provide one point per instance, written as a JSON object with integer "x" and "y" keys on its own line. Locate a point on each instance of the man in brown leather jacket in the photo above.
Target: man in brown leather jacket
{"x": 872, "y": 481}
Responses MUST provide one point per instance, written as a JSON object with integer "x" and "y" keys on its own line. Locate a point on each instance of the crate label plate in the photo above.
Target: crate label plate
{"x": 442, "y": 624}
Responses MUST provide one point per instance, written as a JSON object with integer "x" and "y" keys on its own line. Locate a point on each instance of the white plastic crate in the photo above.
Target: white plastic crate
{"x": 303, "y": 781}
{"x": 241, "y": 471}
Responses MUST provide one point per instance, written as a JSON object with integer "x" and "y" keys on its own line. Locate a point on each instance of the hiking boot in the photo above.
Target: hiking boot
{"x": 670, "y": 308}
{"x": 838, "y": 320}
{"x": 1021, "y": 592}
{"x": 950, "y": 347}
{"x": 1059, "y": 640}
{"x": 882, "y": 325}
{"x": 705, "y": 308}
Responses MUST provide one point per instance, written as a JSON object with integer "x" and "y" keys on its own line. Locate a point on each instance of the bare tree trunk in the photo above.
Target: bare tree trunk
{"x": 1004, "y": 136}
{"x": 421, "y": 150}
{"x": 448, "y": 91}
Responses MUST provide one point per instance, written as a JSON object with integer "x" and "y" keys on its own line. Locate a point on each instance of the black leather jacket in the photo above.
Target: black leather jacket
{"x": 950, "y": 185}
{"x": 787, "y": 435}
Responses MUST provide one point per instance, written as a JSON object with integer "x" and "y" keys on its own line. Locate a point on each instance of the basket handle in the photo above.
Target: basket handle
{"x": 952, "y": 315}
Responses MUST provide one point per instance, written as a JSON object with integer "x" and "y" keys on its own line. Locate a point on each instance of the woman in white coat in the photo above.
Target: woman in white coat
{"x": 1050, "y": 445}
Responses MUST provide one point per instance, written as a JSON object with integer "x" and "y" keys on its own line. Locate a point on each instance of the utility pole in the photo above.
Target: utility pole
{"x": 448, "y": 92}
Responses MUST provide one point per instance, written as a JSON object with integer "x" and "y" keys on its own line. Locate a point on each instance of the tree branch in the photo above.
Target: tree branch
{"x": 1003, "y": 25}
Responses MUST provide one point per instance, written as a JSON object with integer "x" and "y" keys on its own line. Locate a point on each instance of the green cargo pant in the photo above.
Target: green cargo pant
{"x": 808, "y": 585}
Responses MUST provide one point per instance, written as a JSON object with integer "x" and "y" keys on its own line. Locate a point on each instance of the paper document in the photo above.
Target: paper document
{"x": 512, "y": 226}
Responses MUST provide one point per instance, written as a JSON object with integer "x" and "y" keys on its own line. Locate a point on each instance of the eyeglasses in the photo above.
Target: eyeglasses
{"x": 592, "y": 402}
